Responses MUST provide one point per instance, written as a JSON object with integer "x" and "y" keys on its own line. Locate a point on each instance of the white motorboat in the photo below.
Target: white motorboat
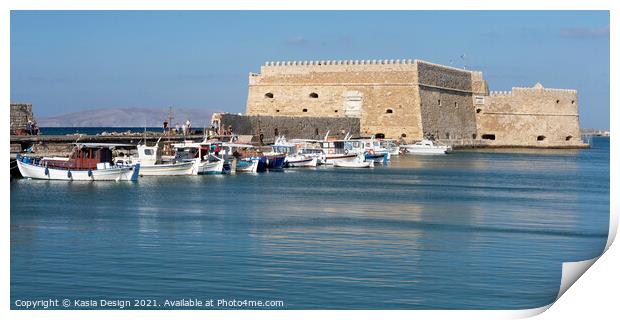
{"x": 301, "y": 161}
{"x": 235, "y": 153}
{"x": 151, "y": 163}
{"x": 249, "y": 165}
{"x": 204, "y": 156}
{"x": 293, "y": 156}
{"x": 426, "y": 146}
{"x": 370, "y": 148}
{"x": 358, "y": 162}
{"x": 391, "y": 146}
{"x": 87, "y": 162}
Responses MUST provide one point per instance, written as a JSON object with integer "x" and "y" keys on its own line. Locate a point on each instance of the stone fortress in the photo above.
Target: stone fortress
{"x": 413, "y": 100}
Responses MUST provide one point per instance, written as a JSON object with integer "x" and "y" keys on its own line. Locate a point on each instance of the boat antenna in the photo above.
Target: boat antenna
{"x": 170, "y": 117}
{"x": 145, "y": 132}
{"x": 204, "y": 130}
{"x": 326, "y": 135}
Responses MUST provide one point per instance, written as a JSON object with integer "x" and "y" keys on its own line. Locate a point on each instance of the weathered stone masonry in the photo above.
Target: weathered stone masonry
{"x": 413, "y": 99}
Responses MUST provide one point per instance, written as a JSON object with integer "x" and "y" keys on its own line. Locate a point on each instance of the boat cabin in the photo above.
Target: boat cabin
{"x": 286, "y": 149}
{"x": 149, "y": 155}
{"x": 333, "y": 147}
{"x": 84, "y": 157}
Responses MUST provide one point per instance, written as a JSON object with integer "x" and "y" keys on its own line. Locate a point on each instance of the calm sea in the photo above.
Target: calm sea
{"x": 93, "y": 130}
{"x": 484, "y": 229}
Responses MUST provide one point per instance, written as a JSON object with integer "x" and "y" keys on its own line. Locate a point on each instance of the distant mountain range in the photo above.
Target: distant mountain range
{"x": 127, "y": 117}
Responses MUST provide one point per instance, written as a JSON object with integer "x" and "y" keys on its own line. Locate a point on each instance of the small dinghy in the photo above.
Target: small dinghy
{"x": 300, "y": 161}
{"x": 247, "y": 165}
{"x": 359, "y": 162}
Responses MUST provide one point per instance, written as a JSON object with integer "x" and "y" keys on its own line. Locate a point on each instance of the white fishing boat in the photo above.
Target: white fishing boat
{"x": 358, "y": 162}
{"x": 204, "y": 156}
{"x": 310, "y": 148}
{"x": 293, "y": 156}
{"x": 249, "y": 166}
{"x": 236, "y": 156}
{"x": 427, "y": 147}
{"x": 370, "y": 148}
{"x": 87, "y": 162}
{"x": 301, "y": 160}
{"x": 391, "y": 146}
{"x": 335, "y": 151}
{"x": 151, "y": 163}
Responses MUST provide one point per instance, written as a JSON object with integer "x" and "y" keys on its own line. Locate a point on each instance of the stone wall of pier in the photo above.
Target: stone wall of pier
{"x": 20, "y": 114}
{"x": 290, "y": 127}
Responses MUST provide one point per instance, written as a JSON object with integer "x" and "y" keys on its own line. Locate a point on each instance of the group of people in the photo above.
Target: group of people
{"x": 185, "y": 128}
{"x": 215, "y": 129}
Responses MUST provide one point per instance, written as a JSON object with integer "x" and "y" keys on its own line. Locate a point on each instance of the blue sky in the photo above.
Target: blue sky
{"x": 70, "y": 61}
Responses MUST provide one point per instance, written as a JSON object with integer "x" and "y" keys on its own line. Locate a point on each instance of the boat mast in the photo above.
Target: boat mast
{"x": 170, "y": 117}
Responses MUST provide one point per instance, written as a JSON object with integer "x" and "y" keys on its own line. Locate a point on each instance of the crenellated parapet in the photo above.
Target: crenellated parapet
{"x": 500, "y": 93}
{"x": 536, "y": 90}
{"x": 360, "y": 65}
{"x": 325, "y": 63}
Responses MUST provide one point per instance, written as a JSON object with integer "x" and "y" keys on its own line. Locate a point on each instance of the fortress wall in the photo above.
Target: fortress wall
{"x": 397, "y": 97}
{"x": 290, "y": 127}
{"x": 521, "y": 116}
{"x": 393, "y": 111}
{"x": 365, "y": 91}
{"x": 446, "y": 102}
{"x": 478, "y": 84}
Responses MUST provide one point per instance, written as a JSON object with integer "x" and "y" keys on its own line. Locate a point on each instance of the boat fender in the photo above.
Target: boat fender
{"x": 90, "y": 173}
{"x": 69, "y": 174}
{"x": 47, "y": 171}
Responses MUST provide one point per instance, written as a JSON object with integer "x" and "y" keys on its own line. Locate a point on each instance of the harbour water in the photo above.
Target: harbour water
{"x": 94, "y": 130}
{"x": 471, "y": 230}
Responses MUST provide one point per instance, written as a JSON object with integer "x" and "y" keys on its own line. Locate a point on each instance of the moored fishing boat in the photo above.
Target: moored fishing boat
{"x": 427, "y": 147}
{"x": 261, "y": 165}
{"x": 247, "y": 165}
{"x": 275, "y": 161}
{"x": 151, "y": 163}
{"x": 358, "y": 162}
{"x": 87, "y": 162}
{"x": 292, "y": 151}
{"x": 335, "y": 151}
{"x": 301, "y": 161}
{"x": 204, "y": 156}
{"x": 391, "y": 146}
{"x": 310, "y": 148}
{"x": 370, "y": 148}
{"x": 237, "y": 157}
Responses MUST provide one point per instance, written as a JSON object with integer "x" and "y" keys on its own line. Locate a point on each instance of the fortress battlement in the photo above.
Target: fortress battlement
{"x": 375, "y": 65}
{"x": 534, "y": 90}
{"x": 335, "y": 62}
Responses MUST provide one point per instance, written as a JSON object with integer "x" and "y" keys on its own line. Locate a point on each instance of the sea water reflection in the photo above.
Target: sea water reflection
{"x": 469, "y": 230}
